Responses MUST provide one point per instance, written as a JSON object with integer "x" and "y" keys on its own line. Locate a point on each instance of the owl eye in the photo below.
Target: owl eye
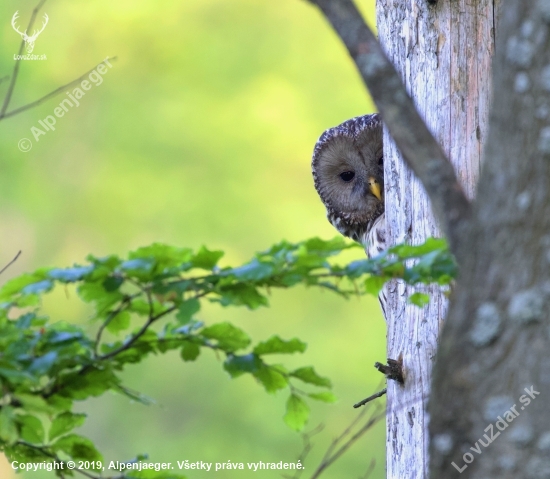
{"x": 381, "y": 161}
{"x": 347, "y": 176}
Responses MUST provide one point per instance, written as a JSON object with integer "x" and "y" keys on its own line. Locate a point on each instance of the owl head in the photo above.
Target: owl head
{"x": 348, "y": 173}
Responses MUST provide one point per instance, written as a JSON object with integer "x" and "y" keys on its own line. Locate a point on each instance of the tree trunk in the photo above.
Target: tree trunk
{"x": 490, "y": 405}
{"x": 442, "y": 52}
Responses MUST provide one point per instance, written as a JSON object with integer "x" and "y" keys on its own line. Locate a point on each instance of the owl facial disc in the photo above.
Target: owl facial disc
{"x": 348, "y": 173}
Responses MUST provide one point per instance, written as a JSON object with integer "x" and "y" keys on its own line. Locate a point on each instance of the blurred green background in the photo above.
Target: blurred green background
{"x": 201, "y": 133}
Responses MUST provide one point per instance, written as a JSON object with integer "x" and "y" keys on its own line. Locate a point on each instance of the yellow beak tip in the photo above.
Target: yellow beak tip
{"x": 374, "y": 188}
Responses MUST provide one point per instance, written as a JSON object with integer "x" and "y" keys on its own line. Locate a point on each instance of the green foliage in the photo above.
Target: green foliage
{"x": 419, "y": 299}
{"x": 430, "y": 262}
{"x": 148, "y": 304}
{"x": 297, "y": 412}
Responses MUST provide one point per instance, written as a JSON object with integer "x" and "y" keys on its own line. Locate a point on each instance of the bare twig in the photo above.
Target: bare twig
{"x": 330, "y": 457}
{"x": 346, "y": 432}
{"x": 10, "y": 263}
{"x": 56, "y": 92}
{"x": 306, "y": 449}
{"x": 7, "y": 99}
{"x": 343, "y": 442}
{"x": 411, "y": 135}
{"x": 9, "y": 93}
{"x": 371, "y": 467}
{"x": 370, "y": 398}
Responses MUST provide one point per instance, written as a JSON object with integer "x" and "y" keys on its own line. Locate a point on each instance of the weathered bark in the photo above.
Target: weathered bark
{"x": 496, "y": 341}
{"x": 443, "y": 54}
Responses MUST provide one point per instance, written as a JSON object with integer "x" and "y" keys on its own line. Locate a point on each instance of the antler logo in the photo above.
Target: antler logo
{"x": 29, "y": 40}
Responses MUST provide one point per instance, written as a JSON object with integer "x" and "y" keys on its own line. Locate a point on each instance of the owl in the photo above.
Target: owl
{"x": 348, "y": 172}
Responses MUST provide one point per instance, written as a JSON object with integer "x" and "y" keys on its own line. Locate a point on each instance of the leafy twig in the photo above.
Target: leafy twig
{"x": 55, "y": 457}
{"x": 61, "y": 359}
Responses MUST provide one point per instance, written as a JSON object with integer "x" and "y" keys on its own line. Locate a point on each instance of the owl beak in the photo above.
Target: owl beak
{"x": 374, "y": 187}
